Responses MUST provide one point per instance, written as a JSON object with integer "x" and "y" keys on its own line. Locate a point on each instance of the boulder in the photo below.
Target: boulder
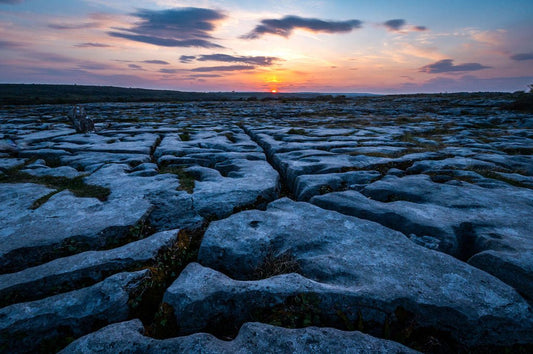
{"x": 37, "y": 325}
{"x": 466, "y": 220}
{"x": 127, "y": 337}
{"x": 31, "y": 237}
{"x": 357, "y": 264}
{"x": 67, "y": 273}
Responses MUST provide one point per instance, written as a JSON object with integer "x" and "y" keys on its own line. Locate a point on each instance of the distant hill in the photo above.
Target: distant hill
{"x": 21, "y": 94}
{"x": 39, "y": 94}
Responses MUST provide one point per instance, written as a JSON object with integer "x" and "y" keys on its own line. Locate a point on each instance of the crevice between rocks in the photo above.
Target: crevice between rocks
{"x": 147, "y": 303}
{"x": 284, "y": 189}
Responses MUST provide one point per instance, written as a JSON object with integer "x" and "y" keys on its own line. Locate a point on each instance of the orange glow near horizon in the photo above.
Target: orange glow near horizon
{"x": 274, "y": 90}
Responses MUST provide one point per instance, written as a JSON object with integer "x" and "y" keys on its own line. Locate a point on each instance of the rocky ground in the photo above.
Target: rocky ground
{"x": 382, "y": 224}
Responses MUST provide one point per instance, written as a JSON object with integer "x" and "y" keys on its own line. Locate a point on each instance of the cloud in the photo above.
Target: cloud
{"x": 11, "y": 1}
{"x": 394, "y": 25}
{"x": 399, "y": 25}
{"x": 223, "y": 68}
{"x": 204, "y": 75}
{"x": 135, "y": 67}
{"x": 94, "y": 66}
{"x": 9, "y": 44}
{"x": 257, "y": 60}
{"x": 91, "y": 45}
{"x": 169, "y": 71}
{"x": 522, "y": 56}
{"x": 178, "y": 27}
{"x": 72, "y": 26}
{"x": 284, "y": 27}
{"x": 160, "y": 62}
{"x": 187, "y": 58}
{"x": 446, "y": 65}
{"x": 50, "y": 57}
{"x": 166, "y": 42}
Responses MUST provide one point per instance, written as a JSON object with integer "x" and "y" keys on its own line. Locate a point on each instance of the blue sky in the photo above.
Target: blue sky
{"x": 327, "y": 46}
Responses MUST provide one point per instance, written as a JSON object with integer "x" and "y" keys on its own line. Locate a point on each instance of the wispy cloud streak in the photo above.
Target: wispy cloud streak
{"x": 223, "y": 68}
{"x": 252, "y": 60}
{"x": 91, "y": 45}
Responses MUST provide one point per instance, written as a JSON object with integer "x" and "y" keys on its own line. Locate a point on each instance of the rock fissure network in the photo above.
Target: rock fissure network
{"x": 381, "y": 224}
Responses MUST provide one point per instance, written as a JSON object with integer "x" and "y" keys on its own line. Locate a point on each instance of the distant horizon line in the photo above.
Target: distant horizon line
{"x": 261, "y": 92}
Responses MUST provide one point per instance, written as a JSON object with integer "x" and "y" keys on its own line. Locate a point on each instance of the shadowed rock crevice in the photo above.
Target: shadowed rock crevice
{"x": 147, "y": 303}
{"x": 283, "y": 187}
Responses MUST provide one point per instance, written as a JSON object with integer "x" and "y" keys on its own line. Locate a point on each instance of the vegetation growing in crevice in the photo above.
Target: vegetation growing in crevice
{"x": 297, "y": 311}
{"x": 185, "y": 135}
{"x": 75, "y": 185}
{"x": 36, "y": 204}
{"x": 146, "y": 303}
{"x": 274, "y": 264}
{"x": 259, "y": 203}
{"x": 496, "y": 174}
{"x": 230, "y": 137}
{"x": 382, "y": 168}
{"x": 296, "y": 131}
{"x": 186, "y": 179}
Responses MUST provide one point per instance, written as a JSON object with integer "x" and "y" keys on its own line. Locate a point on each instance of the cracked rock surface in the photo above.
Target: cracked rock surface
{"x": 376, "y": 224}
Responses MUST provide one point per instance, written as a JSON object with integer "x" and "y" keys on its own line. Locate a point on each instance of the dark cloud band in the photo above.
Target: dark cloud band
{"x": 187, "y": 58}
{"x": 91, "y": 45}
{"x": 285, "y": 26}
{"x": 73, "y": 26}
{"x": 178, "y": 27}
{"x": 223, "y": 68}
{"x": 395, "y": 25}
{"x": 522, "y": 56}
{"x": 252, "y": 60}
{"x": 446, "y": 65}
{"x": 166, "y": 42}
{"x": 159, "y": 62}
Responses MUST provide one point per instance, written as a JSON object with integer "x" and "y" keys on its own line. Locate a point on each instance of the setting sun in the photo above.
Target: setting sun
{"x": 274, "y": 91}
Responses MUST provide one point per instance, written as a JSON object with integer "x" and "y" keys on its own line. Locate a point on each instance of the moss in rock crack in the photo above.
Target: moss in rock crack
{"x": 186, "y": 179}
{"x": 297, "y": 311}
{"x": 146, "y": 302}
{"x": 276, "y": 264}
{"x": 494, "y": 174}
{"x": 382, "y": 168}
{"x": 325, "y": 189}
{"x": 36, "y": 204}
{"x": 230, "y": 137}
{"x": 259, "y": 203}
{"x": 185, "y": 135}
{"x": 295, "y": 131}
{"x": 140, "y": 230}
{"x": 75, "y": 185}
{"x": 164, "y": 324}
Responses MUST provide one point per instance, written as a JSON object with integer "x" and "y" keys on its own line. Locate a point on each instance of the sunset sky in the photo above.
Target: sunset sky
{"x": 290, "y": 45}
